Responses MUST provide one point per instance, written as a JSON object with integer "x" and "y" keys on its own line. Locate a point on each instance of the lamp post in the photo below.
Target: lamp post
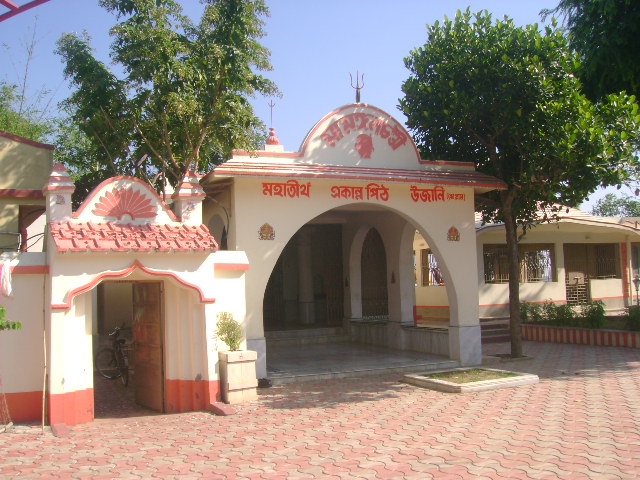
{"x": 636, "y": 283}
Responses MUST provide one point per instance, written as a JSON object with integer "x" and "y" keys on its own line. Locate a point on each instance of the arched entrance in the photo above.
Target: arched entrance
{"x": 341, "y": 297}
{"x": 137, "y": 308}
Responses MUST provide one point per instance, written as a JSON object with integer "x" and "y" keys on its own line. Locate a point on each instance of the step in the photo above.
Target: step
{"x": 281, "y": 378}
{"x": 306, "y": 336}
{"x": 495, "y": 330}
{"x": 495, "y": 339}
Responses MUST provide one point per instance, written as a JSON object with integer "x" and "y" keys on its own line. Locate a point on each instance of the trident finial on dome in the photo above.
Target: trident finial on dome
{"x": 273, "y": 139}
{"x": 357, "y": 86}
{"x": 271, "y": 104}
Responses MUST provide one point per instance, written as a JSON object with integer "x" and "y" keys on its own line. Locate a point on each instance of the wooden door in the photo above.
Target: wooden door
{"x": 148, "y": 353}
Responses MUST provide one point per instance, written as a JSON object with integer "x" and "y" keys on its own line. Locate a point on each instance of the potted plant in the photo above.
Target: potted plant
{"x": 237, "y": 367}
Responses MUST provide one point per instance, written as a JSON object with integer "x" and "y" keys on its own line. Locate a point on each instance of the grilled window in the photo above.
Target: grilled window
{"x": 536, "y": 263}
{"x": 592, "y": 260}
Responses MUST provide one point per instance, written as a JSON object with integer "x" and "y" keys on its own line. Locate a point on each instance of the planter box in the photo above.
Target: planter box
{"x": 423, "y": 380}
{"x": 238, "y": 380}
{"x": 581, "y": 336}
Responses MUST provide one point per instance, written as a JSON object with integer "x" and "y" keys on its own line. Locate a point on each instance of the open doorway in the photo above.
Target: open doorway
{"x": 136, "y": 308}
{"x": 305, "y": 289}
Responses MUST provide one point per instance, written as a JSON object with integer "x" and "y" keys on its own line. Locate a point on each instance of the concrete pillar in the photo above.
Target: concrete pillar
{"x": 305, "y": 278}
{"x": 57, "y": 193}
{"x": 187, "y": 200}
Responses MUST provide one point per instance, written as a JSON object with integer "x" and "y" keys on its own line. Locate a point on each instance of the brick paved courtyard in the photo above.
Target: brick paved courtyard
{"x": 582, "y": 421}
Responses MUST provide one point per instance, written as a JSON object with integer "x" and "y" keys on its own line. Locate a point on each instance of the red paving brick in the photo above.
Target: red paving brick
{"x": 582, "y": 421}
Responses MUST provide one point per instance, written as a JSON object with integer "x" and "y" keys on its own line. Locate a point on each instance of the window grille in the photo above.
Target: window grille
{"x": 536, "y": 263}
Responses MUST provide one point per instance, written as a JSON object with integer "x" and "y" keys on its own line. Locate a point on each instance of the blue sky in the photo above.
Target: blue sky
{"x": 314, "y": 47}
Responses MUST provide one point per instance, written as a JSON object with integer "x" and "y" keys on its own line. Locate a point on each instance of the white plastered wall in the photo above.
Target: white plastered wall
{"x": 22, "y": 351}
{"x": 71, "y": 342}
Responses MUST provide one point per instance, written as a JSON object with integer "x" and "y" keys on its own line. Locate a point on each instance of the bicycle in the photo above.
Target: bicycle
{"x": 113, "y": 362}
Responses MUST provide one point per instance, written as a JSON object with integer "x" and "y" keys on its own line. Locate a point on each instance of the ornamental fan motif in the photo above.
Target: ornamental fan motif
{"x": 125, "y": 201}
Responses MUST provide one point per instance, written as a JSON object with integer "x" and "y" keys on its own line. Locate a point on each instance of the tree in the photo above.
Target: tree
{"x": 27, "y": 122}
{"x": 24, "y": 112}
{"x": 82, "y": 157}
{"x": 183, "y": 100}
{"x": 606, "y": 34}
{"x": 507, "y": 99}
{"x": 612, "y": 205}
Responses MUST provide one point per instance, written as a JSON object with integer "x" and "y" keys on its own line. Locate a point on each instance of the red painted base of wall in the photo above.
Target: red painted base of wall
{"x": 25, "y": 406}
{"x": 581, "y": 336}
{"x": 191, "y": 395}
{"x": 77, "y": 407}
{"x": 71, "y": 408}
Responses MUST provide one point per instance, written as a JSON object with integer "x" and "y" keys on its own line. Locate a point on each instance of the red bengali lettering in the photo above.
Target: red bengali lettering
{"x": 435, "y": 194}
{"x": 291, "y": 188}
{"x": 359, "y": 121}
{"x": 377, "y": 192}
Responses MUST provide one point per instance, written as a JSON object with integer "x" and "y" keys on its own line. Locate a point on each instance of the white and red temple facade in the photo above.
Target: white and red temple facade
{"x": 329, "y": 234}
{"x": 282, "y": 240}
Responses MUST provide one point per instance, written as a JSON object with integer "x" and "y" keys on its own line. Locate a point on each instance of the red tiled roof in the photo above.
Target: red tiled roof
{"x": 301, "y": 170}
{"x": 112, "y": 237}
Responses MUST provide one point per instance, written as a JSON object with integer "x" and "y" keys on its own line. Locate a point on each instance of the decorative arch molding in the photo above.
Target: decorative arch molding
{"x": 125, "y": 273}
{"x": 101, "y": 189}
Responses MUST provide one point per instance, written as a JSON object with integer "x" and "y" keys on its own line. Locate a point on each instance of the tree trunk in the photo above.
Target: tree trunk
{"x": 511, "y": 229}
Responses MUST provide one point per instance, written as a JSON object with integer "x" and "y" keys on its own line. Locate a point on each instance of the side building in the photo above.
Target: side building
{"x": 578, "y": 259}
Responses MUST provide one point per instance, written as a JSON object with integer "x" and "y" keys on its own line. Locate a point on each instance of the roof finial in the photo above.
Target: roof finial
{"x": 273, "y": 139}
{"x": 357, "y": 86}
{"x": 271, "y": 105}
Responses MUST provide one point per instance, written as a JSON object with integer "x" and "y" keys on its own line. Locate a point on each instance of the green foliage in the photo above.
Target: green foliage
{"x": 21, "y": 119}
{"x": 593, "y": 315}
{"x": 7, "y": 324}
{"x": 229, "y": 331}
{"x": 82, "y": 157}
{"x": 183, "y": 99}
{"x": 508, "y": 99}
{"x": 606, "y": 35}
{"x": 612, "y": 205}
{"x": 563, "y": 314}
{"x": 633, "y": 318}
{"x": 531, "y": 312}
{"x": 589, "y": 315}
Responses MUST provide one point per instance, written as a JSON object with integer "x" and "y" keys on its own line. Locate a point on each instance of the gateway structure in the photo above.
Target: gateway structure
{"x": 329, "y": 234}
{"x": 124, "y": 258}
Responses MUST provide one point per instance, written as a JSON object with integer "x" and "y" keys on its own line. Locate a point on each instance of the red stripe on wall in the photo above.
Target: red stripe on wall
{"x": 25, "y": 406}
{"x": 71, "y": 408}
{"x": 190, "y": 395}
{"x": 30, "y": 269}
{"x": 231, "y": 266}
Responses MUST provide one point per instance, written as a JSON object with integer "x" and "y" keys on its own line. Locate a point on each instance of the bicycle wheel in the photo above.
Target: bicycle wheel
{"x": 106, "y": 364}
{"x": 124, "y": 368}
